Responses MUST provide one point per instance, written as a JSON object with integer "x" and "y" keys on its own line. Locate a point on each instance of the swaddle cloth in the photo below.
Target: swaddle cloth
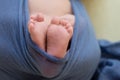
{"x": 109, "y": 66}
{"x": 21, "y": 59}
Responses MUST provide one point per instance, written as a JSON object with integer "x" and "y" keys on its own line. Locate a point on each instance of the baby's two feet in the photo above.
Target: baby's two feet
{"x": 52, "y": 38}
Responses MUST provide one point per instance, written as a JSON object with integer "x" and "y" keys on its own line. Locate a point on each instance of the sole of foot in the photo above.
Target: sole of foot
{"x": 59, "y": 34}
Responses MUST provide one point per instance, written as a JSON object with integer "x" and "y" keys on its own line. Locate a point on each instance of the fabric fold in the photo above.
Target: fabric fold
{"x": 108, "y": 68}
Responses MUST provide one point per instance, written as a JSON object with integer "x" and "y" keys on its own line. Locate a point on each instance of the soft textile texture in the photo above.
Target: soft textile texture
{"x": 109, "y": 67}
{"x": 21, "y": 59}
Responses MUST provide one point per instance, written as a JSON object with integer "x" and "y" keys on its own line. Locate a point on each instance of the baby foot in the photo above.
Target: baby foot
{"x": 37, "y": 29}
{"x": 58, "y": 35}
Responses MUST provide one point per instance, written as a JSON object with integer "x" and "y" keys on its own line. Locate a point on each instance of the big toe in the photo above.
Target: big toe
{"x": 55, "y": 20}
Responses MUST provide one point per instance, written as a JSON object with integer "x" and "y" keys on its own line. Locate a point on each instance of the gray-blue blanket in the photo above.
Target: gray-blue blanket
{"x": 19, "y": 58}
{"x": 109, "y": 66}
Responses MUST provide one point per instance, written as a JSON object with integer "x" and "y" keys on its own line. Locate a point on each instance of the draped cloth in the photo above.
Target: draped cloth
{"x": 21, "y": 59}
{"x": 109, "y": 66}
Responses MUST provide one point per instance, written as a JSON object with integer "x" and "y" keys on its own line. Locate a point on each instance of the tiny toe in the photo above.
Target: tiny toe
{"x": 55, "y": 20}
{"x": 32, "y": 21}
{"x": 68, "y": 25}
{"x": 40, "y": 17}
{"x": 70, "y": 30}
{"x": 63, "y": 22}
{"x": 70, "y": 18}
{"x": 30, "y": 27}
{"x": 33, "y": 17}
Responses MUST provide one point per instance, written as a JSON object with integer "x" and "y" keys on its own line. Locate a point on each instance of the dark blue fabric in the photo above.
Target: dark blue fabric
{"x": 109, "y": 66}
{"x": 21, "y": 59}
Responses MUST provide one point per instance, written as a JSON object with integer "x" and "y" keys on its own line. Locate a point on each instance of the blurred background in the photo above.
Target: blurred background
{"x": 105, "y": 16}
